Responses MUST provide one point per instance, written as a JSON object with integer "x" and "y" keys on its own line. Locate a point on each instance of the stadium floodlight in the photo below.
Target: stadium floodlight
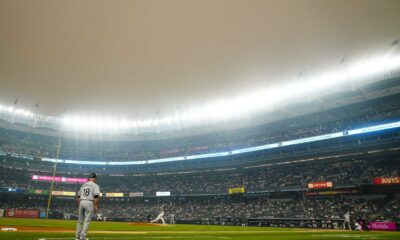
{"x": 374, "y": 66}
{"x": 326, "y": 81}
{"x": 7, "y": 109}
{"x": 23, "y": 113}
{"x": 17, "y": 112}
{"x": 92, "y": 123}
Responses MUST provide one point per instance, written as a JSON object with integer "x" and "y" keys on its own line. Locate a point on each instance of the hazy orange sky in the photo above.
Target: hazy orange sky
{"x": 122, "y": 57}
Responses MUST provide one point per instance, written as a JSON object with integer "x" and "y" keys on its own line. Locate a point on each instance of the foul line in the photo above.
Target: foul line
{"x": 160, "y": 237}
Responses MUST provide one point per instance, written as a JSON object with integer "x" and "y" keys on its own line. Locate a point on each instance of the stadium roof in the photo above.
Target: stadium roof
{"x": 148, "y": 58}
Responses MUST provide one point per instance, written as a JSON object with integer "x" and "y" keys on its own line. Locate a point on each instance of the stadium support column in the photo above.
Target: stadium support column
{"x": 52, "y": 179}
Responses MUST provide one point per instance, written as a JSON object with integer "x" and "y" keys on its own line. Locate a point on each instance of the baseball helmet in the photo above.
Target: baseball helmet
{"x": 92, "y": 175}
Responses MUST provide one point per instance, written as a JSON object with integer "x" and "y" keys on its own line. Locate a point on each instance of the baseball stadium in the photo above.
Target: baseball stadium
{"x": 189, "y": 119}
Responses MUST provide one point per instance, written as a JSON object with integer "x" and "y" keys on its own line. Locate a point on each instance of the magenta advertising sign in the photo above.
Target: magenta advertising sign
{"x": 59, "y": 179}
{"x": 382, "y": 226}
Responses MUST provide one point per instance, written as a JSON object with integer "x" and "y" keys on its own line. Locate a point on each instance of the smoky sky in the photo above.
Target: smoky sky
{"x": 135, "y": 58}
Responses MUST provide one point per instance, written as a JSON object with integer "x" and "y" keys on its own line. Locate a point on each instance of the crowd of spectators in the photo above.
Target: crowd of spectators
{"x": 14, "y": 178}
{"x": 350, "y": 172}
{"x": 261, "y": 207}
{"x": 272, "y": 179}
{"x": 369, "y": 207}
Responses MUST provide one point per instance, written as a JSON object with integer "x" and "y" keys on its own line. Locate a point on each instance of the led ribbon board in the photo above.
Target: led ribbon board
{"x": 163, "y": 194}
{"x": 58, "y": 179}
{"x": 63, "y": 193}
{"x": 371, "y": 129}
{"x": 114, "y": 194}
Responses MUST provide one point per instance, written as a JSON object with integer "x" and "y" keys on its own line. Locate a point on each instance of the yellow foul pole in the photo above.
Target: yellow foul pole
{"x": 52, "y": 180}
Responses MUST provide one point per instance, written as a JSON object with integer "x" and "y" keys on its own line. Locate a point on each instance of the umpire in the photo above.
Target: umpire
{"x": 88, "y": 201}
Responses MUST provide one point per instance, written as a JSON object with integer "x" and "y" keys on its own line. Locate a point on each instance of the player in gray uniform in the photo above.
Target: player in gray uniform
{"x": 347, "y": 221}
{"x": 88, "y": 201}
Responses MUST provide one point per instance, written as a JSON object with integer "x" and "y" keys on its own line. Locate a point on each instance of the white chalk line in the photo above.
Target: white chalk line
{"x": 142, "y": 237}
{"x": 352, "y": 236}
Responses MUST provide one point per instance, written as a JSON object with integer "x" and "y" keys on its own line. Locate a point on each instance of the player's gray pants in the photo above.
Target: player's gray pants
{"x": 346, "y": 223}
{"x": 86, "y": 210}
{"x": 158, "y": 218}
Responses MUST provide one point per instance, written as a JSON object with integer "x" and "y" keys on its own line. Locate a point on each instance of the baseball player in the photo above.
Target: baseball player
{"x": 159, "y": 217}
{"x": 88, "y": 201}
{"x": 99, "y": 216}
{"x": 346, "y": 220}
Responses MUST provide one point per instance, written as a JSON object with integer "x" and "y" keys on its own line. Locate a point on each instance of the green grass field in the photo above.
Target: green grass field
{"x": 62, "y": 229}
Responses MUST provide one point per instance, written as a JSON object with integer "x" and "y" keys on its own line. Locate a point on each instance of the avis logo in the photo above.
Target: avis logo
{"x": 387, "y": 180}
{"x": 391, "y": 180}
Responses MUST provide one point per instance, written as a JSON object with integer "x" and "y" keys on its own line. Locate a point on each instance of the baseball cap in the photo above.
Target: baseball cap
{"x": 92, "y": 175}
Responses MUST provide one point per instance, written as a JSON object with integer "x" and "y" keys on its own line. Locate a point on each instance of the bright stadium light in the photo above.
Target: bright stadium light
{"x": 374, "y": 66}
{"x": 17, "y": 112}
{"x": 80, "y": 123}
{"x": 7, "y": 109}
{"x": 243, "y": 106}
{"x": 23, "y": 113}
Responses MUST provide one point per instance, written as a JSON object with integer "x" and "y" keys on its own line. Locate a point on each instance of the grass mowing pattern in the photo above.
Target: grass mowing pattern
{"x": 180, "y": 232}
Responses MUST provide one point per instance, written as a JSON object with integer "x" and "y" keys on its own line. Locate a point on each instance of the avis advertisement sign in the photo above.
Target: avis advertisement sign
{"x": 21, "y": 213}
{"x": 387, "y": 180}
{"x": 320, "y": 185}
